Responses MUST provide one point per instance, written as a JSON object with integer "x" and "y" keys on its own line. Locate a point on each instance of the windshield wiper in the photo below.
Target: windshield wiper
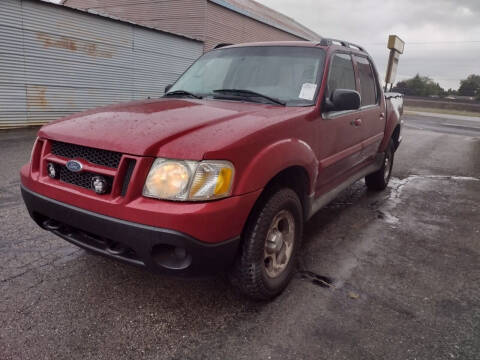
{"x": 249, "y": 93}
{"x": 182, "y": 92}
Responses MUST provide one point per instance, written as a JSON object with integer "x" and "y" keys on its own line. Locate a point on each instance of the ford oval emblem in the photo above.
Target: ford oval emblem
{"x": 74, "y": 165}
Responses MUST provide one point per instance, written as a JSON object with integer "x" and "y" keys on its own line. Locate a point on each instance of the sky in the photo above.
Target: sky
{"x": 442, "y": 36}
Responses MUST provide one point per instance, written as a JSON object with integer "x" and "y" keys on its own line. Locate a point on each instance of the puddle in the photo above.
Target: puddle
{"x": 396, "y": 187}
{"x": 387, "y": 217}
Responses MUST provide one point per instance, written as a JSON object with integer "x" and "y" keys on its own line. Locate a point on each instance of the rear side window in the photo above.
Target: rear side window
{"x": 368, "y": 85}
{"x": 341, "y": 74}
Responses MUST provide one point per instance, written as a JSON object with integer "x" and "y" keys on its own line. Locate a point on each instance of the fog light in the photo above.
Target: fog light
{"x": 52, "y": 170}
{"x": 99, "y": 184}
{"x": 180, "y": 253}
{"x": 171, "y": 257}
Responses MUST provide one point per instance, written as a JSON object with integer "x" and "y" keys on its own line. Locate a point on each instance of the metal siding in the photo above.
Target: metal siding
{"x": 38, "y": 16}
{"x": 55, "y": 61}
{"x": 186, "y": 17}
{"x": 96, "y": 3}
{"x": 224, "y": 25}
{"x": 12, "y": 98}
{"x": 149, "y": 10}
{"x": 11, "y": 13}
{"x": 70, "y": 99}
{"x": 146, "y": 39}
{"x": 268, "y": 16}
{"x": 193, "y": 27}
{"x": 12, "y": 92}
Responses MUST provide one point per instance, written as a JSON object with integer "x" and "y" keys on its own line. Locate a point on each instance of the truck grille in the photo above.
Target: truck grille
{"x": 82, "y": 179}
{"x": 96, "y": 156}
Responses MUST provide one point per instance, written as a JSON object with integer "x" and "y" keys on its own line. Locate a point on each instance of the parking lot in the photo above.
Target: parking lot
{"x": 392, "y": 275}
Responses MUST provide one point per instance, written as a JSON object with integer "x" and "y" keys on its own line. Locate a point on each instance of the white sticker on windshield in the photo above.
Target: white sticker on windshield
{"x": 308, "y": 91}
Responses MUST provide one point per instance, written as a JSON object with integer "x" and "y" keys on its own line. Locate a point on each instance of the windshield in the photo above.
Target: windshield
{"x": 287, "y": 74}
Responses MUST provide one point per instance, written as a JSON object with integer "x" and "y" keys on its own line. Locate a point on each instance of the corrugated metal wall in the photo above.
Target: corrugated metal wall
{"x": 214, "y": 21}
{"x": 268, "y": 16}
{"x": 55, "y": 61}
{"x": 186, "y": 17}
{"x": 226, "y": 26}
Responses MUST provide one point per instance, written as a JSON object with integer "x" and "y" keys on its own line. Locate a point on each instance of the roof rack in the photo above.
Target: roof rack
{"x": 218, "y": 46}
{"x": 328, "y": 42}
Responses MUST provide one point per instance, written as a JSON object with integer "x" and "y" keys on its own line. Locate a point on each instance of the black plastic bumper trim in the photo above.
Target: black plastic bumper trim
{"x": 80, "y": 225}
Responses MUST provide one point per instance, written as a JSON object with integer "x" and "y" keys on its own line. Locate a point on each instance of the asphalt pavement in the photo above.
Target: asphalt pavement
{"x": 391, "y": 275}
{"x": 448, "y": 123}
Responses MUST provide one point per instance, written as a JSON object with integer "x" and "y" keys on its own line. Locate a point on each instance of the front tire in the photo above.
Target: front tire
{"x": 270, "y": 245}
{"x": 378, "y": 180}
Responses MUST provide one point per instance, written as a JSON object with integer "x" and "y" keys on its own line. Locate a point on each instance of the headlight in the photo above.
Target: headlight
{"x": 189, "y": 180}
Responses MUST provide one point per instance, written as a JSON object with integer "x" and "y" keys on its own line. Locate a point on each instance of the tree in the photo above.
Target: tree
{"x": 470, "y": 86}
{"x": 419, "y": 86}
{"x": 451, "y": 92}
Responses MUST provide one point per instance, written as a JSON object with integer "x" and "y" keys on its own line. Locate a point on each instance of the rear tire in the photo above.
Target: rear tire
{"x": 270, "y": 245}
{"x": 378, "y": 180}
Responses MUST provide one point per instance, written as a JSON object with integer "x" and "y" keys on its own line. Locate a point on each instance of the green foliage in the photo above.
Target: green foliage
{"x": 470, "y": 86}
{"x": 419, "y": 86}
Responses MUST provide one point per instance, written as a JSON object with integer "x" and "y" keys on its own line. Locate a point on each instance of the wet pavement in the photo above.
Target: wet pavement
{"x": 392, "y": 275}
{"x": 445, "y": 123}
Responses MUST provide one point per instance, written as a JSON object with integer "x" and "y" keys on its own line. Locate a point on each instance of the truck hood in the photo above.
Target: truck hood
{"x": 143, "y": 127}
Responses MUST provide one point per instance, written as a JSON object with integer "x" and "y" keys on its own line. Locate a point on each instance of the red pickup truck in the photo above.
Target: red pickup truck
{"x": 222, "y": 171}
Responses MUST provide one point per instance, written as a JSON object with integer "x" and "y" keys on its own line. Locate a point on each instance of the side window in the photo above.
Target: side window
{"x": 368, "y": 85}
{"x": 341, "y": 74}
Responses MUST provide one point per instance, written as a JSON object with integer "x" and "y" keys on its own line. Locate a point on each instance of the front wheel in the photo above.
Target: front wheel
{"x": 270, "y": 244}
{"x": 379, "y": 180}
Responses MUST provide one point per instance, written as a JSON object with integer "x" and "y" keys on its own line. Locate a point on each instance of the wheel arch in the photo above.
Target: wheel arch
{"x": 296, "y": 178}
{"x": 288, "y": 163}
{"x": 396, "y": 137}
{"x": 293, "y": 177}
{"x": 274, "y": 159}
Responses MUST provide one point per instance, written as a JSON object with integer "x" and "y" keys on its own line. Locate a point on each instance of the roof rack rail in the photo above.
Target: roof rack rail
{"x": 328, "y": 42}
{"x": 218, "y": 46}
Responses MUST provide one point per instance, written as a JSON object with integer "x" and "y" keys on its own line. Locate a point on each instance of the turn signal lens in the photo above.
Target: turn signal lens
{"x": 213, "y": 180}
{"x": 224, "y": 181}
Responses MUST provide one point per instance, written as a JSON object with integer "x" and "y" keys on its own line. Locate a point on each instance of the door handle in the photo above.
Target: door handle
{"x": 382, "y": 115}
{"x": 356, "y": 122}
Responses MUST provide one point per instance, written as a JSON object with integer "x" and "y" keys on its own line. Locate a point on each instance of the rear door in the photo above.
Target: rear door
{"x": 339, "y": 138}
{"x": 372, "y": 113}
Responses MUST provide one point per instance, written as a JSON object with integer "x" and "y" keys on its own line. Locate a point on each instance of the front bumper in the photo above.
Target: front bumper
{"x": 157, "y": 249}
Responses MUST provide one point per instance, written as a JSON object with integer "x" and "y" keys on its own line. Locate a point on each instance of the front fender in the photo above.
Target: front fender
{"x": 274, "y": 158}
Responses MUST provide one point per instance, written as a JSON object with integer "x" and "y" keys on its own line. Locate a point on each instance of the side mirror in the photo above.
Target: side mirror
{"x": 168, "y": 87}
{"x": 342, "y": 100}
